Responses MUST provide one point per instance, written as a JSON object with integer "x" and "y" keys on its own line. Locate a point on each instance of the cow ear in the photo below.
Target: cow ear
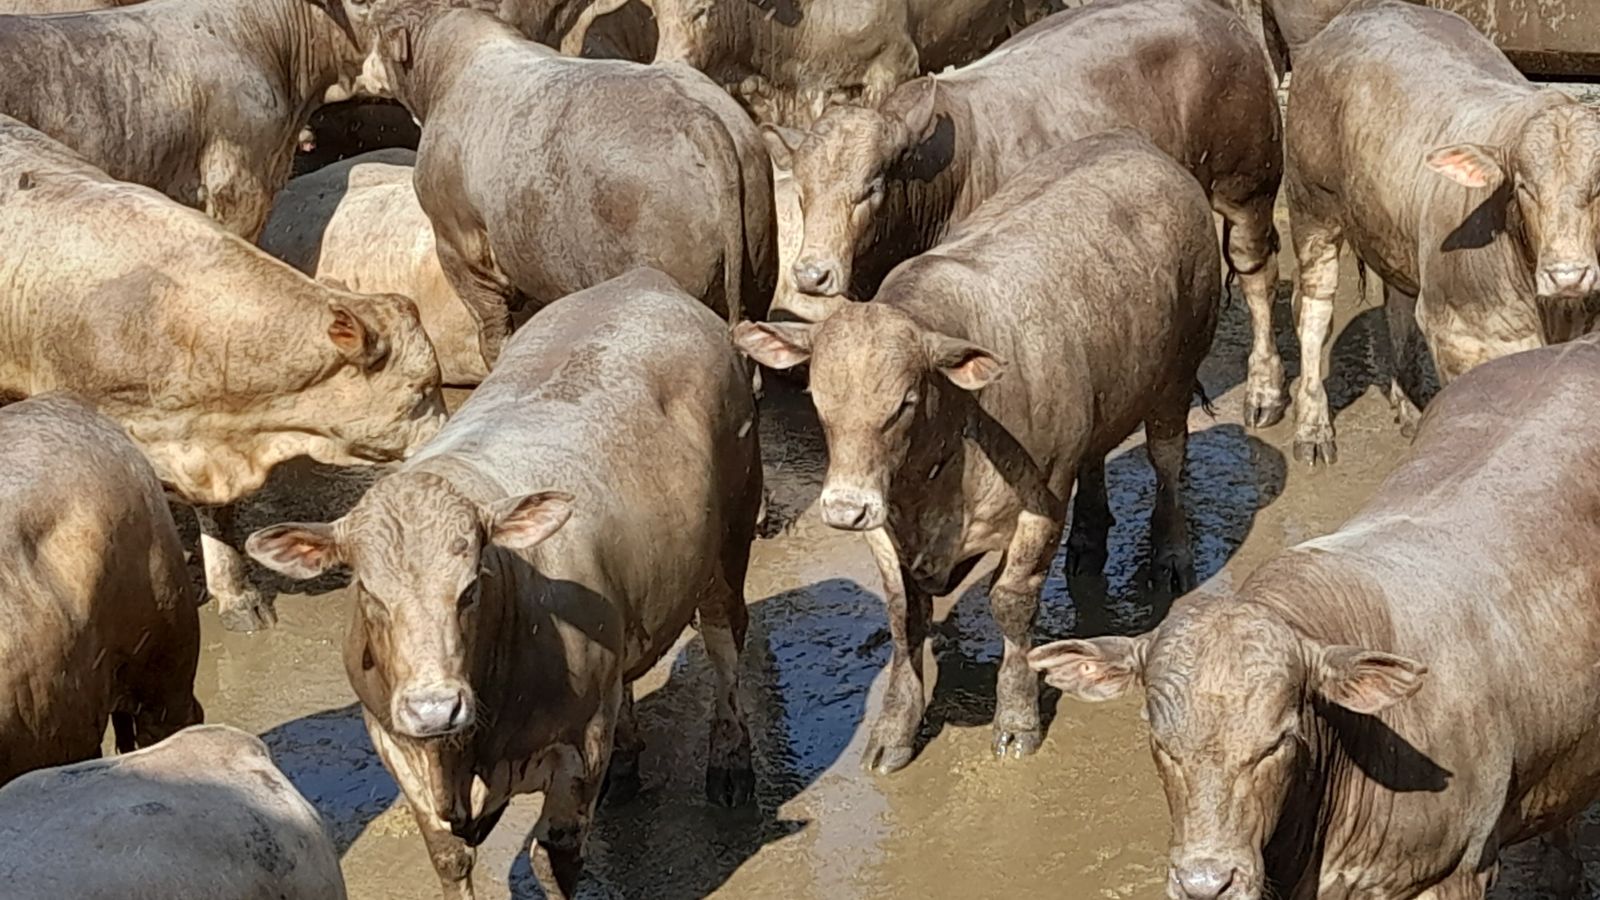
{"x": 776, "y": 345}
{"x": 1099, "y": 669}
{"x": 1472, "y": 165}
{"x": 522, "y": 523}
{"x": 297, "y": 549}
{"x": 356, "y": 339}
{"x": 781, "y": 144}
{"x": 396, "y": 45}
{"x": 1365, "y": 681}
{"x": 967, "y": 365}
{"x": 919, "y": 119}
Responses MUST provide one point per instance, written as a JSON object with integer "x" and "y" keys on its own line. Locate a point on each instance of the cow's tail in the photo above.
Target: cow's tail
{"x": 722, "y": 157}
{"x": 1205, "y": 399}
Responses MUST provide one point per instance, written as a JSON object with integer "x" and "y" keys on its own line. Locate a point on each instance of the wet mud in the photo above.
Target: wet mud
{"x": 1084, "y": 818}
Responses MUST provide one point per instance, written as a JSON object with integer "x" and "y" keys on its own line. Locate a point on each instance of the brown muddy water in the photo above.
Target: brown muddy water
{"x": 1082, "y": 819}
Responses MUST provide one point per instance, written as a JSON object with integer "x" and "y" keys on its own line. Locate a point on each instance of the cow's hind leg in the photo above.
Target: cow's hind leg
{"x": 1166, "y": 435}
{"x": 730, "y": 778}
{"x": 240, "y": 606}
{"x": 1316, "y": 245}
{"x": 894, "y": 733}
{"x": 1091, "y": 521}
{"x": 1251, "y": 243}
{"x": 1014, "y": 601}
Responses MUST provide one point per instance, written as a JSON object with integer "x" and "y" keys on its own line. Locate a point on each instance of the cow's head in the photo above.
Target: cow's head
{"x": 1553, "y": 169}
{"x": 380, "y": 400}
{"x": 414, "y": 545}
{"x": 687, "y": 30}
{"x": 388, "y": 31}
{"x": 842, "y": 172}
{"x": 879, "y": 380}
{"x": 1230, "y": 695}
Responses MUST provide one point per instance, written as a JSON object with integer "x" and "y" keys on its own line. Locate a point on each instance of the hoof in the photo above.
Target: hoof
{"x": 1016, "y": 744}
{"x": 885, "y": 760}
{"x": 730, "y": 788}
{"x": 1174, "y": 574}
{"x": 1323, "y": 452}
{"x": 252, "y": 614}
{"x": 1263, "y": 413}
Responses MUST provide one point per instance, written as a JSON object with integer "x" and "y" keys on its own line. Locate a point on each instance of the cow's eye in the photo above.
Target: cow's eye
{"x": 371, "y": 605}
{"x": 907, "y": 403}
{"x": 1278, "y": 748}
{"x": 874, "y": 190}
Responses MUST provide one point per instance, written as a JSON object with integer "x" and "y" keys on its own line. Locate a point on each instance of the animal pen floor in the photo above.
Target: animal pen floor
{"x": 1082, "y": 819}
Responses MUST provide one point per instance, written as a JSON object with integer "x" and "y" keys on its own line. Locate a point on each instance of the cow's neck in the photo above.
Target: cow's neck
{"x": 924, "y": 195}
{"x": 443, "y": 47}
{"x": 303, "y": 43}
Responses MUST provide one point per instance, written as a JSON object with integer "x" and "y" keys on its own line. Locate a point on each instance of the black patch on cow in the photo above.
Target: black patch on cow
{"x": 153, "y": 808}
{"x": 264, "y": 848}
{"x": 25, "y": 181}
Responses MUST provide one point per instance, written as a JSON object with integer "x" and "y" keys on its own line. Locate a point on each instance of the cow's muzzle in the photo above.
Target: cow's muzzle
{"x": 431, "y": 711}
{"x": 852, "y": 509}
{"x": 1567, "y": 280}
{"x": 819, "y": 277}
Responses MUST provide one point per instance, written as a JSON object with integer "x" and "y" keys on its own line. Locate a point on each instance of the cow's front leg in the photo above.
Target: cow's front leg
{"x": 239, "y": 605}
{"x": 1014, "y": 601}
{"x": 730, "y": 776}
{"x": 452, "y": 857}
{"x": 622, "y": 774}
{"x": 1166, "y": 434}
{"x": 894, "y": 733}
{"x": 235, "y": 193}
{"x": 484, "y": 294}
{"x": 569, "y": 799}
{"x": 1318, "y": 252}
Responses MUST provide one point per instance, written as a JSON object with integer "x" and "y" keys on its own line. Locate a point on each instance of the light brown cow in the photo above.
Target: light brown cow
{"x": 1379, "y": 712}
{"x": 201, "y": 101}
{"x": 788, "y": 60}
{"x": 97, "y": 614}
{"x": 1092, "y": 282}
{"x": 1468, "y": 189}
{"x": 203, "y": 814}
{"x": 219, "y": 360}
{"x": 879, "y": 186}
{"x": 530, "y": 202}
{"x": 357, "y": 224}
{"x": 515, "y": 576}
{"x": 49, "y": 7}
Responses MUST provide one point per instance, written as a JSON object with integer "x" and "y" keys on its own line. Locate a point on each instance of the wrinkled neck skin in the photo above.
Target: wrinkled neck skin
{"x": 924, "y": 196}
{"x": 315, "y": 56}
{"x": 243, "y": 442}
{"x": 1324, "y": 838}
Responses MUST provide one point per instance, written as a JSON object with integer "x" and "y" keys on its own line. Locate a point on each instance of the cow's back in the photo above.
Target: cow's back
{"x": 1475, "y": 558}
{"x": 204, "y": 813}
{"x": 95, "y": 80}
{"x": 1102, "y": 251}
{"x": 95, "y": 577}
{"x": 570, "y": 199}
{"x": 1383, "y": 85}
{"x": 630, "y": 397}
{"x": 1188, "y": 76}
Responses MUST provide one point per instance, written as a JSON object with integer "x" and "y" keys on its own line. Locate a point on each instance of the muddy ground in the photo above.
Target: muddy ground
{"x": 1082, "y": 819}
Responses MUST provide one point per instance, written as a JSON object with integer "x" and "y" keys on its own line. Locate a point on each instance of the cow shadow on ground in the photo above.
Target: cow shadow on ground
{"x": 805, "y": 678}
{"x": 330, "y": 759}
{"x": 1231, "y": 476}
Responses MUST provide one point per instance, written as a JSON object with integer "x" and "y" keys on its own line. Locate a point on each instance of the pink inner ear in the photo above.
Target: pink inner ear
{"x": 1462, "y": 166}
